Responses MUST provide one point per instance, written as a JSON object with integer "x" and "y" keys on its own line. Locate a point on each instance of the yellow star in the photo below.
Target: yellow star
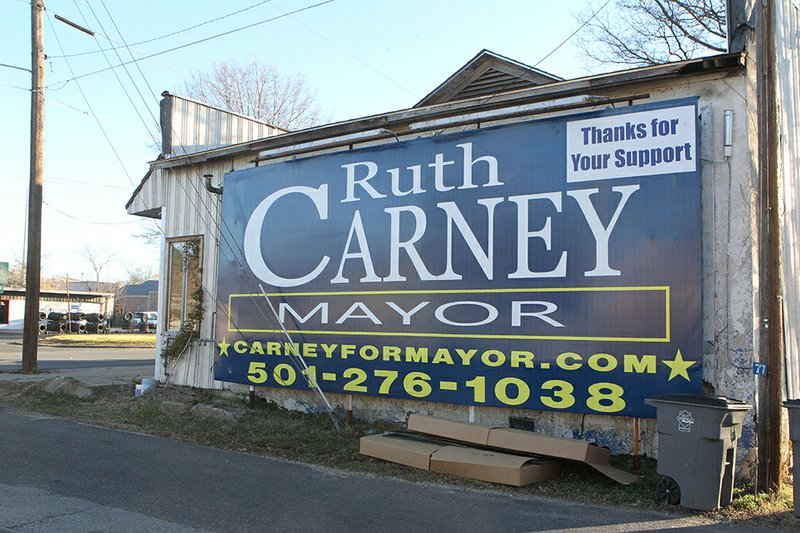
{"x": 223, "y": 347}
{"x": 678, "y": 367}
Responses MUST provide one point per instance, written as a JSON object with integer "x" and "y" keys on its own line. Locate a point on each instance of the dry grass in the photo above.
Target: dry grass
{"x": 113, "y": 340}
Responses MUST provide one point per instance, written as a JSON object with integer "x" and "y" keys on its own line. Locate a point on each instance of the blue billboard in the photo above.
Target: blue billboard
{"x": 549, "y": 265}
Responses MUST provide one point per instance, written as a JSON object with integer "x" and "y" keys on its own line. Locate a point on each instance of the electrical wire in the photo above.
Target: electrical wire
{"x": 213, "y": 217}
{"x": 67, "y": 181}
{"x": 27, "y": 89}
{"x": 573, "y": 34}
{"x": 57, "y": 210}
{"x": 122, "y": 85}
{"x": 332, "y": 43}
{"x": 89, "y": 105}
{"x": 89, "y": 52}
{"x": 551, "y": 52}
{"x": 15, "y": 67}
{"x": 186, "y": 45}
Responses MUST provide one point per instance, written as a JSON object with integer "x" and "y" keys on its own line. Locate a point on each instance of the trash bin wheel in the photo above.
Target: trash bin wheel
{"x": 668, "y": 491}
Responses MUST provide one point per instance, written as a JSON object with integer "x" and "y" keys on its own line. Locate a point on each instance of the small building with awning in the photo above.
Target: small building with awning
{"x": 12, "y": 304}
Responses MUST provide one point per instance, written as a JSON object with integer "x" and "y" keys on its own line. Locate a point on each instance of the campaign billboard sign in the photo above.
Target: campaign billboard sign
{"x": 551, "y": 265}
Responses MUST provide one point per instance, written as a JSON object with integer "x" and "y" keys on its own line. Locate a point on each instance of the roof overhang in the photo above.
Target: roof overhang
{"x": 402, "y": 121}
{"x": 53, "y": 295}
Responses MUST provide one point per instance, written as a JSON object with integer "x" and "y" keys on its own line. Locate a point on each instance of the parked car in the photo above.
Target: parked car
{"x": 145, "y": 320}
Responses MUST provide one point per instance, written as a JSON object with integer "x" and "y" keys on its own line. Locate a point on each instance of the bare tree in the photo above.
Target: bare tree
{"x": 649, "y": 32}
{"x": 257, "y": 90}
{"x": 138, "y": 275}
{"x": 16, "y": 274}
{"x": 150, "y": 232}
{"x": 97, "y": 260}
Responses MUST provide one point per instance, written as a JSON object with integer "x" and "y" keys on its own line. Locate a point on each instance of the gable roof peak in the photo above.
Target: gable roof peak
{"x": 485, "y": 74}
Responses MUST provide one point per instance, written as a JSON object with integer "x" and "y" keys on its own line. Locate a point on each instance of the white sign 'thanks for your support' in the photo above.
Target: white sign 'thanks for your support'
{"x": 661, "y": 141}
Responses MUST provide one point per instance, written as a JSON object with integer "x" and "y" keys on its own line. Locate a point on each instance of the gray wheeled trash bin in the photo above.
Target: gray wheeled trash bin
{"x": 697, "y": 437}
{"x": 794, "y": 435}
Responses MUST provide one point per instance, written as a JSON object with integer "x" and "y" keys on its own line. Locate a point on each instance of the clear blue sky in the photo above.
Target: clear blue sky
{"x": 360, "y": 56}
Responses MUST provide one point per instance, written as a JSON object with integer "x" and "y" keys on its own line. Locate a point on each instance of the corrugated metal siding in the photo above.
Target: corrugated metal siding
{"x": 187, "y": 209}
{"x": 196, "y": 127}
{"x": 190, "y": 210}
{"x": 150, "y": 196}
{"x": 787, "y": 35}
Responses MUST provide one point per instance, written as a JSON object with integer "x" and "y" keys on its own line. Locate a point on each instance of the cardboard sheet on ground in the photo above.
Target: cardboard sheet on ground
{"x": 516, "y": 440}
{"x": 461, "y": 461}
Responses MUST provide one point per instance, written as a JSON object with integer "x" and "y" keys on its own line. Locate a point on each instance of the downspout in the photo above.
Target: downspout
{"x": 210, "y": 188}
{"x": 217, "y": 191}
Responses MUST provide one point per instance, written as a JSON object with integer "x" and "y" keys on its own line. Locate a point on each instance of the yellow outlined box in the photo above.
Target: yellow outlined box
{"x": 664, "y": 289}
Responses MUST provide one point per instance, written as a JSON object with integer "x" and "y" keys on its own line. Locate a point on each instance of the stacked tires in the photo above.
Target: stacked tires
{"x": 75, "y": 323}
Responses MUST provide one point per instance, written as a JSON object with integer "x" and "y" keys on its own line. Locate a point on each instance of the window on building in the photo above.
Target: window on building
{"x": 184, "y": 279}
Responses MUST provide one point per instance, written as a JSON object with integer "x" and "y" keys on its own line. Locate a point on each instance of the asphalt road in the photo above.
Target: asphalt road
{"x": 51, "y": 359}
{"x": 57, "y": 475}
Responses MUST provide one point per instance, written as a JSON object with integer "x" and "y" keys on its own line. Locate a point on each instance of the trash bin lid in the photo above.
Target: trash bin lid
{"x": 704, "y": 400}
{"x": 792, "y": 404}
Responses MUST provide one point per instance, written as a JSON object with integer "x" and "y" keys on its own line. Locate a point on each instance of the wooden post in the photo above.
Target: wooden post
{"x": 69, "y": 306}
{"x": 774, "y": 250}
{"x": 770, "y": 390}
{"x": 30, "y": 334}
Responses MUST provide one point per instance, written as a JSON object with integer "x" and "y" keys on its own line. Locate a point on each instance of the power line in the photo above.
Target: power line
{"x": 223, "y": 238}
{"x": 89, "y": 105}
{"x": 26, "y": 89}
{"x": 571, "y": 35}
{"x": 205, "y": 39}
{"x": 67, "y": 181}
{"x": 135, "y": 108}
{"x": 15, "y": 67}
{"x": 88, "y": 52}
{"x": 321, "y": 36}
{"x": 107, "y": 121}
{"x": 73, "y": 217}
{"x": 551, "y": 52}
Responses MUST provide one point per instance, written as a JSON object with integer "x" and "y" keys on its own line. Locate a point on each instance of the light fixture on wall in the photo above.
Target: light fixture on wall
{"x": 727, "y": 136}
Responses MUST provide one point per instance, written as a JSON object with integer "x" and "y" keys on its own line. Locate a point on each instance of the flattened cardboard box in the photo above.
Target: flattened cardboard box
{"x": 492, "y": 466}
{"x": 528, "y": 441}
{"x": 450, "y": 429}
{"x": 460, "y": 461}
{"x": 521, "y": 441}
{"x": 401, "y": 451}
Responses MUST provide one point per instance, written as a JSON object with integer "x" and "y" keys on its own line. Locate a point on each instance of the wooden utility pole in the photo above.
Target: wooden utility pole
{"x": 775, "y": 369}
{"x": 30, "y": 334}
